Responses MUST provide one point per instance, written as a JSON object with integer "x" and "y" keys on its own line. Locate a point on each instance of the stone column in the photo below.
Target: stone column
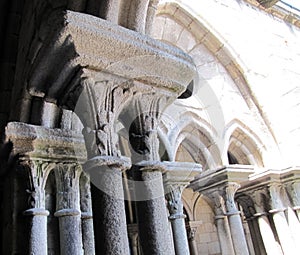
{"x": 133, "y": 238}
{"x": 68, "y": 208}
{"x": 235, "y": 222}
{"x": 221, "y": 221}
{"x": 177, "y": 176}
{"x": 280, "y": 221}
{"x": 175, "y": 206}
{"x": 86, "y": 215}
{"x": 270, "y": 244}
{"x": 101, "y": 100}
{"x": 38, "y": 171}
{"x": 191, "y": 232}
{"x": 294, "y": 194}
{"x": 293, "y": 191}
{"x": 154, "y": 229}
{"x": 141, "y": 120}
{"x": 108, "y": 203}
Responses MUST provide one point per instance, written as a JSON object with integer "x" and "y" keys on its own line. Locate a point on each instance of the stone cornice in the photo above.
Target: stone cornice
{"x": 79, "y": 41}
{"x": 221, "y": 177}
{"x": 271, "y": 176}
{"x": 36, "y": 142}
{"x": 180, "y": 173}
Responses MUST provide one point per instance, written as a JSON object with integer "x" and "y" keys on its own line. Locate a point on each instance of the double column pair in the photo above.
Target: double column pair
{"x": 286, "y": 223}
{"x": 72, "y": 229}
{"x": 228, "y": 219}
{"x": 100, "y": 106}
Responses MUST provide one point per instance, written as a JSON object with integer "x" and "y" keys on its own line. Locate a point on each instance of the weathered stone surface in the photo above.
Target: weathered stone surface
{"x": 154, "y": 230}
{"x": 108, "y": 204}
{"x": 41, "y": 142}
{"x": 108, "y": 48}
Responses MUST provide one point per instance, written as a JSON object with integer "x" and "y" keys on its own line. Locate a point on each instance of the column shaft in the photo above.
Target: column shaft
{"x": 175, "y": 206}
{"x": 192, "y": 241}
{"x": 88, "y": 234}
{"x": 70, "y": 232}
{"x": 280, "y": 221}
{"x": 154, "y": 229}
{"x": 224, "y": 235}
{"x": 108, "y": 204}
{"x": 88, "y": 239}
{"x": 38, "y": 231}
{"x": 180, "y": 237}
{"x": 133, "y": 238}
{"x": 271, "y": 246}
{"x": 235, "y": 222}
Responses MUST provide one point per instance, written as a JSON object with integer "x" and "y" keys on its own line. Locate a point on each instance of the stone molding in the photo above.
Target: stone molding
{"x": 36, "y": 142}
{"x": 177, "y": 177}
{"x": 222, "y": 177}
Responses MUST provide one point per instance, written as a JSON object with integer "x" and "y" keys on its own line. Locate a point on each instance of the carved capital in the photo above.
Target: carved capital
{"x": 85, "y": 195}
{"x": 230, "y": 191}
{"x": 174, "y": 202}
{"x": 67, "y": 181}
{"x": 98, "y": 106}
{"x": 191, "y": 233}
{"x": 141, "y": 120}
{"x": 259, "y": 201}
{"x": 293, "y": 190}
{"x": 38, "y": 171}
{"x": 217, "y": 197}
{"x": 275, "y": 190}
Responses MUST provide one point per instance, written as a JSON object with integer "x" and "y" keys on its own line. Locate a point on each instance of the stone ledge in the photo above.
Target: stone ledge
{"x": 40, "y": 142}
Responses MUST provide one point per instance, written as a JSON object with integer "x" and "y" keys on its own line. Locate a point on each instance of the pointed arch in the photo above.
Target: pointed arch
{"x": 205, "y": 34}
{"x": 243, "y": 144}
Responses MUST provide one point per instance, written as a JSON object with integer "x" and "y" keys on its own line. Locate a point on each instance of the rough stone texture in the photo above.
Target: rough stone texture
{"x": 154, "y": 230}
{"x": 106, "y": 44}
{"x": 68, "y": 208}
{"x": 242, "y": 51}
{"x": 108, "y": 204}
{"x": 38, "y": 231}
{"x": 176, "y": 177}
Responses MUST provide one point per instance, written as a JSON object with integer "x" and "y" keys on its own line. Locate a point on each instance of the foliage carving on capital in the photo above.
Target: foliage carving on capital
{"x": 174, "y": 202}
{"x": 259, "y": 199}
{"x": 230, "y": 191}
{"x": 67, "y": 182}
{"x": 275, "y": 190}
{"x": 217, "y": 198}
{"x": 98, "y": 107}
{"x": 38, "y": 171}
{"x": 146, "y": 111}
{"x": 293, "y": 190}
{"x": 191, "y": 233}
